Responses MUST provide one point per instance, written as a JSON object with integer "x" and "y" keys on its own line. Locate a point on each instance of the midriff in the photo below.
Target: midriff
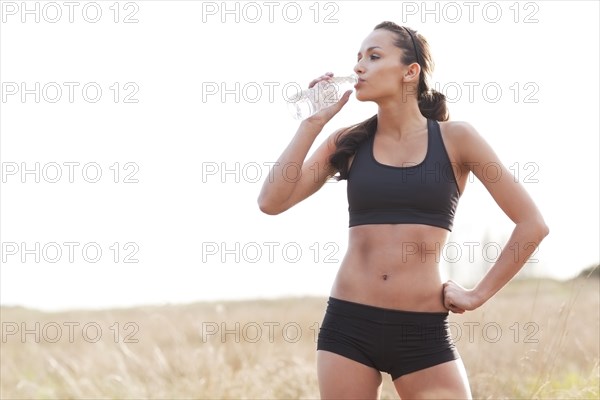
{"x": 393, "y": 266}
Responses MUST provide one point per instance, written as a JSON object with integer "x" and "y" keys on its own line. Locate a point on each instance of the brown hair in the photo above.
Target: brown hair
{"x": 432, "y": 103}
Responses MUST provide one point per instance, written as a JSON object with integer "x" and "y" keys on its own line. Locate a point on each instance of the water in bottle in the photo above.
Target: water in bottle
{"x": 321, "y": 95}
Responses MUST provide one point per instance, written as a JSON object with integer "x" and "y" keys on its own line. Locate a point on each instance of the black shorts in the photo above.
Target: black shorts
{"x": 392, "y": 341}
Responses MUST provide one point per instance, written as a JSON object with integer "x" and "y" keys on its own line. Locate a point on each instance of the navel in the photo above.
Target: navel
{"x": 385, "y": 276}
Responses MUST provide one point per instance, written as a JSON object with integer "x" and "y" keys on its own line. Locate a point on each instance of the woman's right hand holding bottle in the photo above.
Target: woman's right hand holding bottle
{"x": 323, "y": 116}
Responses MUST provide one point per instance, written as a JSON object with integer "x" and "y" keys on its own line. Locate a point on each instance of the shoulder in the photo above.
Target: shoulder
{"x": 456, "y": 130}
{"x": 465, "y": 145}
{"x": 461, "y": 136}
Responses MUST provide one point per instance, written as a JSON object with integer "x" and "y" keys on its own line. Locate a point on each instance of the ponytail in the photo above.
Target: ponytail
{"x": 432, "y": 105}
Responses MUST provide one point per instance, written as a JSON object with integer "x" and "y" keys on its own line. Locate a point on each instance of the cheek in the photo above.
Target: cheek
{"x": 388, "y": 83}
{"x": 388, "y": 78}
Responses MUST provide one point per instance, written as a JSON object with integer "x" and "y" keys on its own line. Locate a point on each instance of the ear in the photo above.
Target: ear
{"x": 412, "y": 73}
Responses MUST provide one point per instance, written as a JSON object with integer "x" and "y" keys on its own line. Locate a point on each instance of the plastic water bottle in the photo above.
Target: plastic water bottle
{"x": 321, "y": 95}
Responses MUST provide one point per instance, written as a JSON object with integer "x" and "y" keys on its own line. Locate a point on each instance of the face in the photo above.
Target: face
{"x": 380, "y": 71}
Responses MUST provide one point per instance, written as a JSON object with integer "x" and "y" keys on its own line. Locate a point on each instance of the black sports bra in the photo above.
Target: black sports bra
{"x": 426, "y": 193}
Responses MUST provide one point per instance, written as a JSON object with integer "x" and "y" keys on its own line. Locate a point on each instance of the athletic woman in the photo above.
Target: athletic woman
{"x": 406, "y": 168}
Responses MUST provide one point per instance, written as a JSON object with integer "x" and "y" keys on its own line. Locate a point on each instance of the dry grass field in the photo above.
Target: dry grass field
{"x": 537, "y": 339}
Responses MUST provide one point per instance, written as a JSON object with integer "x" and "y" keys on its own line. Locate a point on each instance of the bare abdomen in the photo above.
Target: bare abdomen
{"x": 393, "y": 266}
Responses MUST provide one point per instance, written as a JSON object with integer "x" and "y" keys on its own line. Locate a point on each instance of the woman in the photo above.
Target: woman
{"x": 388, "y": 308}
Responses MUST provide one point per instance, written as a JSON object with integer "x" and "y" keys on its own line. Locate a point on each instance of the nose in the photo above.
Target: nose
{"x": 358, "y": 68}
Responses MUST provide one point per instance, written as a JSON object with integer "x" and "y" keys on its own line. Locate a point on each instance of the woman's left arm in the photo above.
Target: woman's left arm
{"x": 475, "y": 154}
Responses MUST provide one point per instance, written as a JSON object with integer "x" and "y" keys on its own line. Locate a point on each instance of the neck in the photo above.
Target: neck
{"x": 400, "y": 118}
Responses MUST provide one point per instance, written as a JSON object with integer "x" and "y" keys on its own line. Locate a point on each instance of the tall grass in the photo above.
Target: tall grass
{"x": 535, "y": 339}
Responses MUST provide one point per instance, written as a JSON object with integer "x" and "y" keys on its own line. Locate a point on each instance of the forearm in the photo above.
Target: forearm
{"x": 283, "y": 175}
{"x": 523, "y": 241}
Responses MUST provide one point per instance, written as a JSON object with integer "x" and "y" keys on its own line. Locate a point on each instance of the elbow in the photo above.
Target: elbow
{"x": 542, "y": 230}
{"x": 268, "y": 208}
{"x": 545, "y": 230}
{"x": 535, "y": 229}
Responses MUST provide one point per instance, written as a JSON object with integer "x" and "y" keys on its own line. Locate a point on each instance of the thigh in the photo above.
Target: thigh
{"x": 443, "y": 381}
{"x": 343, "y": 378}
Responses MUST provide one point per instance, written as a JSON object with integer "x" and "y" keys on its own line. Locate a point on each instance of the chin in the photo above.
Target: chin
{"x": 362, "y": 96}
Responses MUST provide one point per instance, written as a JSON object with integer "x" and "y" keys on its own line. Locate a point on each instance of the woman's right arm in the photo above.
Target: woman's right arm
{"x": 292, "y": 179}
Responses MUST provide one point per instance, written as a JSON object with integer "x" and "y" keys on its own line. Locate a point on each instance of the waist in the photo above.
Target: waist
{"x": 421, "y": 292}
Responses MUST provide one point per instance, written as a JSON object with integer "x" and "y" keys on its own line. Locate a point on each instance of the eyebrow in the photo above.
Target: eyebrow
{"x": 370, "y": 48}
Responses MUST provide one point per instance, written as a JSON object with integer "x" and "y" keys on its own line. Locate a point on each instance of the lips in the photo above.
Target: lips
{"x": 360, "y": 80}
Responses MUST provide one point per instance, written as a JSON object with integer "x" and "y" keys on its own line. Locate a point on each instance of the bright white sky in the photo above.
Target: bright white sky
{"x": 194, "y": 227}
